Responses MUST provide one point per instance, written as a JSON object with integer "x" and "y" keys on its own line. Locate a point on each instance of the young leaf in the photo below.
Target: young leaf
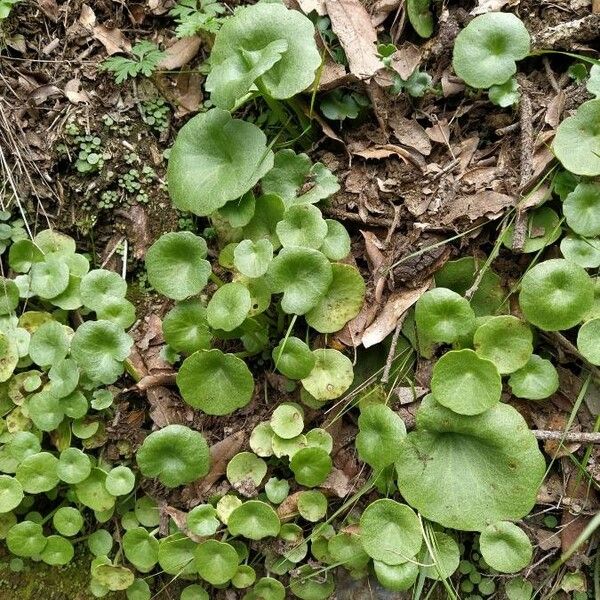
{"x": 505, "y": 547}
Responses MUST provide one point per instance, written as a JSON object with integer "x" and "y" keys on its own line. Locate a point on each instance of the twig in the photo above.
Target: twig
{"x": 526, "y": 126}
{"x": 550, "y": 74}
{"x": 578, "y": 437}
{"x": 560, "y": 340}
{"x": 344, "y": 215}
{"x": 392, "y": 353}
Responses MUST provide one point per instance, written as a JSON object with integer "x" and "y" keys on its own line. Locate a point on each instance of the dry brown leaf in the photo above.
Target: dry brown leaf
{"x": 140, "y": 233}
{"x": 381, "y": 9}
{"x": 308, "y": 6}
{"x": 220, "y": 454}
{"x": 180, "y": 519}
{"x": 487, "y": 203}
{"x": 337, "y": 483}
{"x": 485, "y": 6}
{"x": 439, "y": 132}
{"x": 49, "y": 8}
{"x": 395, "y": 308}
{"x": 74, "y": 92}
{"x": 352, "y": 24}
{"x": 555, "y": 109}
{"x": 87, "y": 17}
{"x": 373, "y": 247}
{"x": 112, "y": 39}
{"x": 180, "y": 53}
{"x": 408, "y": 395}
{"x": 380, "y": 151}
{"x": 409, "y": 133}
{"x": 406, "y": 59}
{"x": 333, "y": 75}
{"x": 288, "y": 509}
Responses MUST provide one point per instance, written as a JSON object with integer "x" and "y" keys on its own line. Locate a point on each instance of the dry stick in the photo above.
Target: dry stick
{"x": 526, "y": 123}
{"x": 578, "y": 437}
{"x": 344, "y": 215}
{"x": 392, "y": 353}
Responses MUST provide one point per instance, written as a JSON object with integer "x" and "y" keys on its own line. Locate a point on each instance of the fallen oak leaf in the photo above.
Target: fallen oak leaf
{"x": 180, "y": 53}
{"x": 112, "y": 39}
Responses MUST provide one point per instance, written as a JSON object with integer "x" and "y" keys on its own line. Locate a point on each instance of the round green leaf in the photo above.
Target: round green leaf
{"x": 49, "y": 278}
{"x": 49, "y": 344}
{"x": 9, "y": 296}
{"x": 45, "y": 411}
{"x": 342, "y": 301}
{"x": 246, "y": 468}
{"x": 26, "y": 539}
{"x": 11, "y": 493}
{"x": 287, "y": 421}
{"x": 64, "y": 377}
{"x": 577, "y": 140}
{"x": 443, "y": 316}
{"x": 583, "y": 252}
{"x": 588, "y": 341}
{"x": 185, "y": 327}
{"x": 302, "y": 225}
{"x": 466, "y": 383}
{"x": 175, "y": 263}
{"x": 229, "y": 307}
{"x": 100, "y": 347}
{"x": 254, "y": 520}
{"x": 202, "y": 520}
{"x": 537, "y": 380}
{"x": 582, "y": 209}
{"x": 293, "y": 358}
{"x": 303, "y": 275}
{"x": 485, "y": 51}
{"x": 331, "y": 376}
{"x": 505, "y": 547}
{"x": 215, "y": 382}
{"x": 215, "y": 159}
{"x": 120, "y": 481}
{"x": 175, "y": 455}
{"x": 396, "y": 578}
{"x": 312, "y": 505}
{"x": 100, "y": 542}
{"x": 311, "y": 466}
{"x": 67, "y": 520}
{"x": 194, "y": 592}
{"x": 543, "y": 229}
{"x": 9, "y": 357}
{"x": 239, "y": 212}
{"x": 58, "y": 551}
{"x": 120, "y": 311}
{"x": 74, "y": 466}
{"x": 261, "y": 440}
{"x": 309, "y": 583}
{"x": 92, "y": 492}
{"x": 420, "y": 17}
{"x": 37, "y": 473}
{"x": 380, "y": 434}
{"x": 252, "y": 259}
{"x": 465, "y": 472}
{"x": 270, "y": 44}
{"x": 390, "y": 532}
{"x": 506, "y": 94}
{"x": 22, "y": 254}
{"x": 100, "y": 287}
{"x": 556, "y": 294}
{"x": 140, "y": 590}
{"x": 140, "y": 548}
{"x": 336, "y": 245}
{"x": 216, "y": 562}
{"x": 176, "y": 555}
{"x": 443, "y": 557}
{"x": 506, "y": 341}
{"x": 113, "y": 577}
{"x": 269, "y": 211}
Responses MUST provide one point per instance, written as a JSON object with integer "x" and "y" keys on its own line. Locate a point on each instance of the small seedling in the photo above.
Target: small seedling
{"x": 146, "y": 57}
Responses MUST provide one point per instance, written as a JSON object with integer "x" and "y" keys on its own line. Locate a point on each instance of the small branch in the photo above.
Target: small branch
{"x": 344, "y": 215}
{"x": 392, "y": 353}
{"x": 526, "y": 126}
{"x": 577, "y": 437}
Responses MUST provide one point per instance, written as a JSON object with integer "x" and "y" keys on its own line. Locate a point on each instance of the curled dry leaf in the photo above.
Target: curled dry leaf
{"x": 394, "y": 310}
{"x": 112, "y": 39}
{"x": 352, "y": 24}
{"x": 381, "y": 9}
{"x": 406, "y": 59}
{"x": 409, "y": 133}
{"x": 180, "y": 53}
{"x": 288, "y": 509}
{"x": 74, "y": 92}
{"x": 487, "y": 203}
{"x": 220, "y": 454}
